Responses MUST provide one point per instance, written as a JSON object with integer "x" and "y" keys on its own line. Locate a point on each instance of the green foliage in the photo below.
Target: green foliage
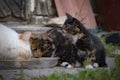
{"x": 116, "y": 71}
{"x": 117, "y": 61}
{"x": 88, "y": 74}
{"x": 38, "y": 78}
{"x": 109, "y": 48}
{"x": 62, "y": 76}
{"x": 94, "y": 74}
{"x": 22, "y": 75}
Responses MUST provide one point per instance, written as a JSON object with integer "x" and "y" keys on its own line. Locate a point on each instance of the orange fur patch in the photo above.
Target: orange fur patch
{"x": 21, "y": 36}
{"x": 80, "y": 35}
{"x": 37, "y": 53}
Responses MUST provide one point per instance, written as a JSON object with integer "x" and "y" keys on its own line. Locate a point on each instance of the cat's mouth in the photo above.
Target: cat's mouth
{"x": 73, "y": 32}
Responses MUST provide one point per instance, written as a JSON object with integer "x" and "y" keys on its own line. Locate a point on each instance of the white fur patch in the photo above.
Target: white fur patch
{"x": 75, "y": 38}
{"x": 11, "y": 47}
{"x": 95, "y": 65}
{"x": 89, "y": 66}
{"x": 69, "y": 66}
{"x": 66, "y": 64}
{"x": 63, "y": 64}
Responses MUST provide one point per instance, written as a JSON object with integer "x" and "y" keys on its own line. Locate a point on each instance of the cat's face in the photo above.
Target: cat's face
{"x": 41, "y": 47}
{"x": 71, "y": 25}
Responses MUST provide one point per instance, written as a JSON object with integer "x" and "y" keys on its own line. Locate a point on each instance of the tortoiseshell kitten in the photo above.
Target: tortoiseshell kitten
{"x": 65, "y": 49}
{"x": 86, "y": 41}
{"x": 41, "y": 47}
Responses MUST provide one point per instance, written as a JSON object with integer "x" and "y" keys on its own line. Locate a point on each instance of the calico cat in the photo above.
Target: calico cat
{"x": 64, "y": 48}
{"x": 14, "y": 46}
{"x": 41, "y": 47}
{"x": 86, "y": 41}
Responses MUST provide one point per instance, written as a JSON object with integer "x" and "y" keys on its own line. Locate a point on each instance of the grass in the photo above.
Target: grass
{"x": 22, "y": 75}
{"x": 87, "y": 74}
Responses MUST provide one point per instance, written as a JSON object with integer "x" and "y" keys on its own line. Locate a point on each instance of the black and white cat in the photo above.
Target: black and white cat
{"x": 86, "y": 41}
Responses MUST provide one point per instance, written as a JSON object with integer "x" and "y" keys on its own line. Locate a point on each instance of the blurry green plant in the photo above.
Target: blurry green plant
{"x": 88, "y": 74}
{"x": 116, "y": 71}
{"x": 109, "y": 48}
{"x": 22, "y": 75}
{"x": 95, "y": 74}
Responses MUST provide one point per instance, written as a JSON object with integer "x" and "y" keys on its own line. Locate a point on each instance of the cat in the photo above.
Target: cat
{"x": 86, "y": 41}
{"x": 41, "y": 47}
{"x": 67, "y": 52}
{"x": 14, "y": 46}
{"x": 113, "y": 38}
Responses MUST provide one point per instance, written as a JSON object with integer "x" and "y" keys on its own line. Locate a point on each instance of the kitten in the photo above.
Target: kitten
{"x": 14, "y": 46}
{"x": 64, "y": 48}
{"x": 86, "y": 41}
{"x": 41, "y": 47}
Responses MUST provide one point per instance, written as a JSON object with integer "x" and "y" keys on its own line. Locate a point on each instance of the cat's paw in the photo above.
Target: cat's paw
{"x": 66, "y": 65}
{"x": 89, "y": 66}
{"x": 94, "y": 65}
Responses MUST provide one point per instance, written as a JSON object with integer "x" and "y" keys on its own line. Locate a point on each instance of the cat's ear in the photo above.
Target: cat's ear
{"x": 69, "y": 17}
{"x": 25, "y": 36}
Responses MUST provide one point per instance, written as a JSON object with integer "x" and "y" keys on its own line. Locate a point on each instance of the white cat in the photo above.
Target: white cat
{"x": 14, "y": 46}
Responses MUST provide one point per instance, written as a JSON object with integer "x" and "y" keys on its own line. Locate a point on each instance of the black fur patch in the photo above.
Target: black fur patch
{"x": 65, "y": 50}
